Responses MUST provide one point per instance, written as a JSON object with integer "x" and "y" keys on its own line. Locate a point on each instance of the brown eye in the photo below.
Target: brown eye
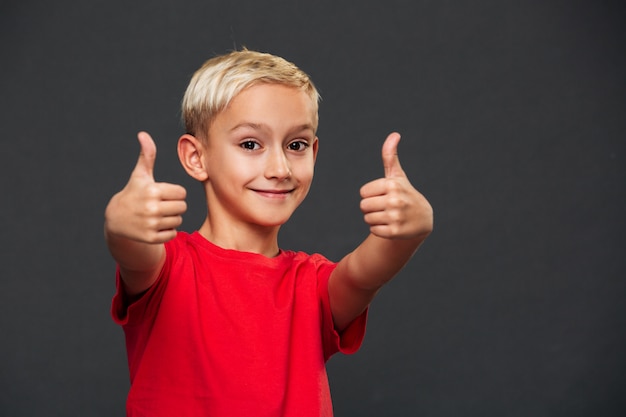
{"x": 298, "y": 146}
{"x": 249, "y": 145}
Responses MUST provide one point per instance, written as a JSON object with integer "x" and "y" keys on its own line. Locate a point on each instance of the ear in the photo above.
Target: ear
{"x": 190, "y": 151}
{"x": 315, "y": 147}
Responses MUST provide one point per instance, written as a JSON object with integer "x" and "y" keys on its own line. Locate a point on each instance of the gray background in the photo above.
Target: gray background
{"x": 513, "y": 121}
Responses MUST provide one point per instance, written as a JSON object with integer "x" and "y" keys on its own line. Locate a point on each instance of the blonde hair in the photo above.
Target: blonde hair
{"x": 221, "y": 78}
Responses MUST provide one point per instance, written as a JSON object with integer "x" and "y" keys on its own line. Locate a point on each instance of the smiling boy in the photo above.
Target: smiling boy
{"x": 222, "y": 322}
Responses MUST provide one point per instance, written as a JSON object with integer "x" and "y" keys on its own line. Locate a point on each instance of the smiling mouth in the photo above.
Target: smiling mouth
{"x": 273, "y": 193}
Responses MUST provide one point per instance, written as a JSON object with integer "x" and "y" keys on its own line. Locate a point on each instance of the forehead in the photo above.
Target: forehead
{"x": 276, "y": 105}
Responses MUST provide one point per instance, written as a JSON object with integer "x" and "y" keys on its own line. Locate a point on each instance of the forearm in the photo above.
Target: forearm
{"x": 377, "y": 260}
{"x": 360, "y": 274}
{"x": 140, "y": 263}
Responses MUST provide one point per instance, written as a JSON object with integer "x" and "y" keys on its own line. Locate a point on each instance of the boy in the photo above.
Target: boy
{"x": 221, "y": 322}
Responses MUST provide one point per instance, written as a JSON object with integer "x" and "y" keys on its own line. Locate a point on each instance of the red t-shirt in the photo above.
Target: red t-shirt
{"x": 229, "y": 333}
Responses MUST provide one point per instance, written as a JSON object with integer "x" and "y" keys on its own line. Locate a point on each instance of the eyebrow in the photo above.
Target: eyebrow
{"x": 264, "y": 127}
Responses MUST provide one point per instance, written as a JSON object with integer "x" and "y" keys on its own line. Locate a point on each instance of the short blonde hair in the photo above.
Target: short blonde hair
{"x": 221, "y": 78}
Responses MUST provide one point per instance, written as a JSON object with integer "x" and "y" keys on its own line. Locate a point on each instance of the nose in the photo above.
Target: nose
{"x": 277, "y": 166}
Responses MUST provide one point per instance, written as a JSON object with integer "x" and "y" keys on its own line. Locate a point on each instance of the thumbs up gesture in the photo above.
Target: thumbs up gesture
{"x": 392, "y": 207}
{"x": 145, "y": 210}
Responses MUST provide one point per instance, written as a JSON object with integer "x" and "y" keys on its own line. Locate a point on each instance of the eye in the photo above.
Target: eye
{"x": 250, "y": 145}
{"x": 298, "y": 145}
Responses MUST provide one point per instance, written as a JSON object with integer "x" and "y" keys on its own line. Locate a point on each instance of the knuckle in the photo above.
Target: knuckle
{"x": 151, "y": 208}
{"x": 152, "y": 224}
{"x": 394, "y": 201}
{"x": 395, "y": 217}
{"x": 152, "y": 191}
{"x": 392, "y": 185}
{"x": 152, "y": 239}
{"x": 380, "y": 231}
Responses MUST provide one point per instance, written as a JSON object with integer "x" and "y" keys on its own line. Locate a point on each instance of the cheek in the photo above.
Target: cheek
{"x": 304, "y": 173}
{"x": 229, "y": 167}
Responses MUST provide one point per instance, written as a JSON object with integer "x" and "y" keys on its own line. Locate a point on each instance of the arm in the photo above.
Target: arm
{"x": 140, "y": 219}
{"x": 400, "y": 219}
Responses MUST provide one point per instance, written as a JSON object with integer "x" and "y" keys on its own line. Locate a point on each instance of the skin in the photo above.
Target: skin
{"x": 256, "y": 167}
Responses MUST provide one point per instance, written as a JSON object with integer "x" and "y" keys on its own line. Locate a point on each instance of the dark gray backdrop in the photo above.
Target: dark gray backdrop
{"x": 513, "y": 121}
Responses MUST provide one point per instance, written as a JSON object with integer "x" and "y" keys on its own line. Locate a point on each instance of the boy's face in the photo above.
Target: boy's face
{"x": 260, "y": 156}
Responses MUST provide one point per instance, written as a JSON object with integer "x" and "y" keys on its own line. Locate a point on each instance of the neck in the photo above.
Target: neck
{"x": 244, "y": 238}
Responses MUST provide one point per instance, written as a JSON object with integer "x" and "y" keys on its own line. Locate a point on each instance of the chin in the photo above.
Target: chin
{"x": 272, "y": 220}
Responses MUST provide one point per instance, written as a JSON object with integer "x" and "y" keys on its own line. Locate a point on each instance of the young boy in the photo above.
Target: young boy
{"x": 221, "y": 322}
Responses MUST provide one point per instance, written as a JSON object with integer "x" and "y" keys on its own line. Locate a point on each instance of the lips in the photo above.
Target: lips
{"x": 274, "y": 193}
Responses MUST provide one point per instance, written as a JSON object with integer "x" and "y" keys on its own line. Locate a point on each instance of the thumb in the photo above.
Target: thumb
{"x": 390, "y": 156}
{"x": 147, "y": 155}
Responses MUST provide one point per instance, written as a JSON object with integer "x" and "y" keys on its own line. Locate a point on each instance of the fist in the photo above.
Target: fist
{"x": 145, "y": 210}
{"x": 391, "y": 206}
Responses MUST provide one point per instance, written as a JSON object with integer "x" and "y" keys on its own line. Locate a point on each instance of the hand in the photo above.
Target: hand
{"x": 391, "y": 206}
{"x": 145, "y": 210}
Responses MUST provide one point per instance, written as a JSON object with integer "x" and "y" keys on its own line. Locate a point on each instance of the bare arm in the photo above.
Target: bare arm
{"x": 400, "y": 219}
{"x": 140, "y": 218}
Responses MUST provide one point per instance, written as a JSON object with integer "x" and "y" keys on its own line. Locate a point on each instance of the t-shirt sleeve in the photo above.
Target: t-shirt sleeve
{"x": 129, "y": 310}
{"x": 350, "y": 339}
